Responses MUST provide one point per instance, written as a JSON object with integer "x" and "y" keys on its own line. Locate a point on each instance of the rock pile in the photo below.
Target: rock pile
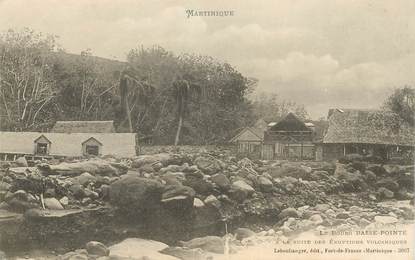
{"x": 198, "y": 180}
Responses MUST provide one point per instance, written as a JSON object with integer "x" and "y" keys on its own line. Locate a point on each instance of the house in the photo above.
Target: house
{"x": 68, "y": 139}
{"x": 365, "y": 132}
{"x": 290, "y": 138}
{"x": 249, "y": 140}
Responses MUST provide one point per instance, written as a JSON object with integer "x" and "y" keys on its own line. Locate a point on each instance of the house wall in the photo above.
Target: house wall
{"x": 267, "y": 152}
{"x": 251, "y": 149}
{"x": 332, "y": 152}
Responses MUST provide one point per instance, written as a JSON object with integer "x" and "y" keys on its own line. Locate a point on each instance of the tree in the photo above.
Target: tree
{"x": 27, "y": 87}
{"x": 182, "y": 90}
{"x": 271, "y": 108}
{"x": 402, "y": 102}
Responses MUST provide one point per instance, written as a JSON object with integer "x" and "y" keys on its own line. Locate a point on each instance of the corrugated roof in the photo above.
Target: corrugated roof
{"x": 68, "y": 144}
{"x": 83, "y": 127}
{"x": 367, "y": 126}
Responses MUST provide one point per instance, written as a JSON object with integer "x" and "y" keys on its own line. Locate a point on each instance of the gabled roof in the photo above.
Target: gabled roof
{"x": 257, "y": 130}
{"x": 83, "y": 127}
{"x": 369, "y": 127}
{"x": 65, "y": 144}
{"x": 254, "y": 132}
{"x": 91, "y": 138}
{"x": 290, "y": 123}
{"x": 40, "y": 137}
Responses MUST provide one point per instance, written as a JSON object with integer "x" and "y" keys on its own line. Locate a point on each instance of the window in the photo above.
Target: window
{"x": 42, "y": 148}
{"x": 92, "y": 150}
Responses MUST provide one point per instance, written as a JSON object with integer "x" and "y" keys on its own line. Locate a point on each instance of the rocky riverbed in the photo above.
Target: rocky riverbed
{"x": 176, "y": 198}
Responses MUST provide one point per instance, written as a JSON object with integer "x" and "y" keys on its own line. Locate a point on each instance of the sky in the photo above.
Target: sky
{"x": 319, "y": 53}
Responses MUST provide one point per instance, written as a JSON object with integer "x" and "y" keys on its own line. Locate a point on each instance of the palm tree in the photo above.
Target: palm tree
{"x": 182, "y": 89}
{"x": 139, "y": 91}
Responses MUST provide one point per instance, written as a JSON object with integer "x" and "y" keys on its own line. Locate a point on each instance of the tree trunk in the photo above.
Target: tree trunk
{"x": 179, "y": 129}
{"x": 127, "y": 109}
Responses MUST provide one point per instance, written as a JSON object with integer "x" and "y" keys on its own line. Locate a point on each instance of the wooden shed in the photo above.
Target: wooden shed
{"x": 249, "y": 140}
{"x": 290, "y": 139}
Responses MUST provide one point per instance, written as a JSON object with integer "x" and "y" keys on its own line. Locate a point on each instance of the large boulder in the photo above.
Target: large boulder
{"x": 178, "y": 196}
{"x": 185, "y": 253}
{"x": 200, "y": 185}
{"x": 264, "y": 184}
{"x": 388, "y": 183}
{"x": 85, "y": 178}
{"x": 20, "y": 201}
{"x": 352, "y": 181}
{"x": 289, "y": 213}
{"x": 289, "y": 169}
{"x": 93, "y": 166}
{"x": 242, "y": 233}
{"x": 240, "y": 191}
{"x": 133, "y": 193}
{"x": 21, "y": 162}
{"x": 208, "y": 164}
{"x": 137, "y": 248}
{"x": 221, "y": 181}
{"x": 212, "y": 244}
{"x": 161, "y": 158}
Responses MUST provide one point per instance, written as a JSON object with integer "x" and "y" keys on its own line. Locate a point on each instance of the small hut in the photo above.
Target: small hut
{"x": 249, "y": 140}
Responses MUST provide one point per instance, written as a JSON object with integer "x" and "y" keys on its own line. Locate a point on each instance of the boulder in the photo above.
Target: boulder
{"x": 77, "y": 191}
{"x": 52, "y": 203}
{"x": 97, "y": 248}
{"x": 74, "y": 256}
{"x": 288, "y": 213}
{"x": 242, "y": 233}
{"x": 197, "y": 203}
{"x": 85, "y": 178}
{"x": 212, "y": 244}
{"x": 388, "y": 183}
{"x": 201, "y": 186}
{"x": 264, "y": 184}
{"x": 316, "y": 219}
{"x": 385, "y": 219}
{"x": 93, "y": 166}
{"x": 212, "y": 201}
{"x": 384, "y": 193}
{"x": 137, "y": 248}
{"x": 133, "y": 193}
{"x": 221, "y": 181}
{"x": 162, "y": 159}
{"x": 64, "y": 201}
{"x": 289, "y": 169}
{"x": 208, "y": 164}
{"x": 240, "y": 191}
{"x": 185, "y": 253}
{"x": 352, "y": 181}
{"x": 342, "y": 215}
{"x": 178, "y": 196}
{"x": 20, "y": 201}
{"x": 21, "y": 162}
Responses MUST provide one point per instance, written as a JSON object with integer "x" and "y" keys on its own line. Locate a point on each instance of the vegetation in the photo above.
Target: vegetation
{"x": 402, "y": 102}
{"x": 165, "y": 98}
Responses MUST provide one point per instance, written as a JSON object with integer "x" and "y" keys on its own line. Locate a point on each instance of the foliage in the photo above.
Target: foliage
{"x": 27, "y": 87}
{"x": 165, "y": 98}
{"x": 402, "y": 102}
{"x": 271, "y": 109}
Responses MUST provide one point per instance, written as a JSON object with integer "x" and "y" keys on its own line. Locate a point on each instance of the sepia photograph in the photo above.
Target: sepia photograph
{"x": 207, "y": 130}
